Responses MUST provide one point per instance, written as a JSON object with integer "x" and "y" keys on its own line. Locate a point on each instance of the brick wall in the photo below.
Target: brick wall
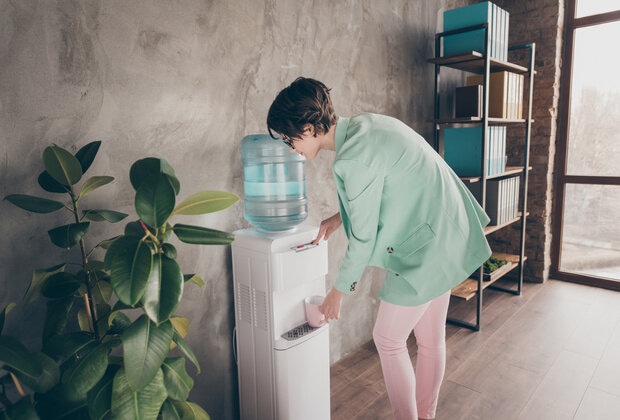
{"x": 540, "y": 22}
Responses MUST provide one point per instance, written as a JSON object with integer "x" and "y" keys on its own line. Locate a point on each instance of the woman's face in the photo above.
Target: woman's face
{"x": 307, "y": 144}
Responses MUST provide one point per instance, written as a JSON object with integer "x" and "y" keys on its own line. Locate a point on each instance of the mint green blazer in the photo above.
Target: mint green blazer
{"x": 404, "y": 210}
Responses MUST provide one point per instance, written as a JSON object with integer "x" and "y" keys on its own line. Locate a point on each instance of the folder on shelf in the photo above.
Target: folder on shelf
{"x": 468, "y": 101}
{"x": 476, "y": 14}
{"x": 463, "y": 150}
{"x": 502, "y": 199}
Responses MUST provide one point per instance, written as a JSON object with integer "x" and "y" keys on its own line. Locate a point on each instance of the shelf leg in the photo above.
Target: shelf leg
{"x": 472, "y": 326}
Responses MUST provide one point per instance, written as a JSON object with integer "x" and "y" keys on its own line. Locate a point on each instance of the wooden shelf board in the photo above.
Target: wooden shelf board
{"x": 473, "y": 62}
{"x": 494, "y": 228}
{"x": 478, "y": 120}
{"x": 510, "y": 170}
{"x": 468, "y": 289}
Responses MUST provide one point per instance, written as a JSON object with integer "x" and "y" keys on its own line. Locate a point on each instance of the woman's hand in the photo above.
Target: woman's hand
{"x": 331, "y": 305}
{"x": 328, "y": 226}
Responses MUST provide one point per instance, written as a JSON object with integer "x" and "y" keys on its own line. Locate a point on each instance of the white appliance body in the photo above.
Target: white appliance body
{"x": 282, "y": 362}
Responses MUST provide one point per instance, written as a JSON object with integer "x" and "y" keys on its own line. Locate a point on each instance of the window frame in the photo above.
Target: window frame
{"x": 571, "y": 24}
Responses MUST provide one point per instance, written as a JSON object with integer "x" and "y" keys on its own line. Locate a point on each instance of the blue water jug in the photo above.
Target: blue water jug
{"x": 274, "y": 182}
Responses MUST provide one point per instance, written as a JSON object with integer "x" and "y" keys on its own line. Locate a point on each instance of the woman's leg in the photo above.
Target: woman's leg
{"x": 430, "y": 333}
{"x": 392, "y": 328}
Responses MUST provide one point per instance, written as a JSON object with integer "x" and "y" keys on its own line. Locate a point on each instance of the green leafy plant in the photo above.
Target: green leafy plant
{"x": 493, "y": 263}
{"x": 112, "y": 346}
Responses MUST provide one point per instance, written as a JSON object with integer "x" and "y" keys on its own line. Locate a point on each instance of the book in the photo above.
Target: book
{"x": 493, "y": 202}
{"x": 501, "y": 156}
{"x": 519, "y": 96}
{"x": 502, "y": 199}
{"x": 468, "y": 101}
{"x": 498, "y": 92}
{"x": 504, "y": 35}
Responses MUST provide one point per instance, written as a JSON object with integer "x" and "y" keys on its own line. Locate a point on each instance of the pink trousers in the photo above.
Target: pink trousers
{"x": 412, "y": 394}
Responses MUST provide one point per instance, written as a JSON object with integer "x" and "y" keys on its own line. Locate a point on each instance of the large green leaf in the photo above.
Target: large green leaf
{"x": 56, "y": 318}
{"x": 130, "y": 262}
{"x": 194, "y": 278}
{"x": 101, "y": 288}
{"x": 5, "y": 311}
{"x": 14, "y": 355}
{"x": 86, "y": 155}
{"x": 62, "y": 165}
{"x": 147, "y": 168}
{"x": 180, "y": 324}
{"x": 87, "y": 371}
{"x": 105, "y": 244}
{"x": 38, "y": 277}
{"x": 201, "y": 235}
{"x": 100, "y": 396}
{"x": 49, "y": 184}
{"x": 135, "y": 229}
{"x": 91, "y": 184}
{"x": 34, "y": 204}
{"x": 164, "y": 289}
{"x": 145, "y": 346}
{"x": 97, "y": 215}
{"x": 68, "y": 236}
{"x": 70, "y": 346}
{"x": 155, "y": 200}
{"x": 187, "y": 351}
{"x": 206, "y": 202}
{"x": 84, "y": 320}
{"x": 190, "y": 411}
{"x": 50, "y": 374}
{"x": 57, "y": 404}
{"x": 167, "y": 411}
{"x": 127, "y": 403}
{"x": 60, "y": 285}
{"x": 169, "y": 250}
{"x": 22, "y": 409}
{"x": 178, "y": 383}
{"x": 118, "y": 322}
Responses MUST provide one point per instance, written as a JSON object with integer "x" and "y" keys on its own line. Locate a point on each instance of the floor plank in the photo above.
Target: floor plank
{"x": 551, "y": 353}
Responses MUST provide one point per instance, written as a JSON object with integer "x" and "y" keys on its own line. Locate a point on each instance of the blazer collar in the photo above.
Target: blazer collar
{"x": 340, "y": 134}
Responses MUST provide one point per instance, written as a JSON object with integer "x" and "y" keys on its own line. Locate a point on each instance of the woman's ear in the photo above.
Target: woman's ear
{"x": 309, "y": 129}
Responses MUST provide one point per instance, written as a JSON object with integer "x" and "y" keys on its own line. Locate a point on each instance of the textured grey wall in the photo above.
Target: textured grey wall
{"x": 186, "y": 80}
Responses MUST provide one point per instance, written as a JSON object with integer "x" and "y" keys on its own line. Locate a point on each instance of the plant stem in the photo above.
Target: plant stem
{"x": 89, "y": 304}
{"x": 18, "y": 385}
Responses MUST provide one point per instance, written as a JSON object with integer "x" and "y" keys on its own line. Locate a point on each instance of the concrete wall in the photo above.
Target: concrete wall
{"x": 186, "y": 80}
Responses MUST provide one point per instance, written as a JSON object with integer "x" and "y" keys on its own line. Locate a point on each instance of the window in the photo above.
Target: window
{"x": 586, "y": 224}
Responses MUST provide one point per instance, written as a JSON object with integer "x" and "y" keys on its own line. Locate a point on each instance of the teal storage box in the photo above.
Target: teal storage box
{"x": 463, "y": 150}
{"x": 477, "y": 14}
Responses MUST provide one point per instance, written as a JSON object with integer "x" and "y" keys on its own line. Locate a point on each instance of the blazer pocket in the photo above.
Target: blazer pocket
{"x": 420, "y": 237}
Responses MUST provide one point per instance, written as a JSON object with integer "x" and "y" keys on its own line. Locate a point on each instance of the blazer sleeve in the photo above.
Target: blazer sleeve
{"x": 359, "y": 191}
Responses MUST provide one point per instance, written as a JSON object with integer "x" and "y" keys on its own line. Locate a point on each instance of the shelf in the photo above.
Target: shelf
{"x": 469, "y": 288}
{"x": 494, "y": 228}
{"x": 510, "y": 170}
{"x": 480, "y": 64}
{"x": 473, "y": 62}
{"x": 479, "y": 120}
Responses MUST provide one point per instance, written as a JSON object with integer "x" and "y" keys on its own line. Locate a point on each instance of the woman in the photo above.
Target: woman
{"x": 403, "y": 209}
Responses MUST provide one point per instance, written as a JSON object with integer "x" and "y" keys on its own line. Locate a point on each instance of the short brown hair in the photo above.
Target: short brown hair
{"x": 305, "y": 101}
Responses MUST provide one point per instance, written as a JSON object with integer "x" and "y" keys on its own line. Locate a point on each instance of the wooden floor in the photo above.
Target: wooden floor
{"x": 551, "y": 353}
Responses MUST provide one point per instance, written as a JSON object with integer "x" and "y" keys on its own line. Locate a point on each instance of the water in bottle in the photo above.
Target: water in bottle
{"x": 274, "y": 183}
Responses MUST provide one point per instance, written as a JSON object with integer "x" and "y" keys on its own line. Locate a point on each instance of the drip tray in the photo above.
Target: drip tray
{"x": 298, "y": 332}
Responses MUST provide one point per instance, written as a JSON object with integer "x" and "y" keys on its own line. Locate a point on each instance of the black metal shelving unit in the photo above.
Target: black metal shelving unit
{"x": 480, "y": 63}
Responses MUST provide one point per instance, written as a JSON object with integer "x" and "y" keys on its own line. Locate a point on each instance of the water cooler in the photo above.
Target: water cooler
{"x": 283, "y": 363}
